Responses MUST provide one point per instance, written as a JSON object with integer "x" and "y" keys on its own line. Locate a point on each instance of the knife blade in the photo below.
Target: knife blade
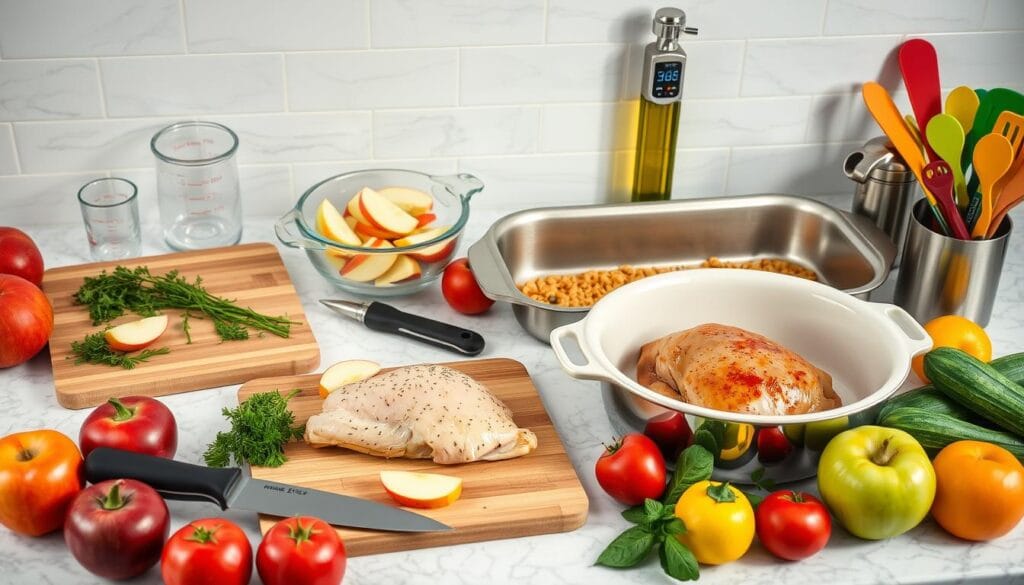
{"x": 228, "y": 487}
{"x": 387, "y": 319}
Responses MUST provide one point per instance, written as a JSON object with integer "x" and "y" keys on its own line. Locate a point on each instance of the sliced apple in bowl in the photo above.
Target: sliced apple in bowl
{"x": 412, "y": 201}
{"x": 378, "y": 211}
{"x": 331, "y": 224}
{"x": 346, "y": 372}
{"x": 367, "y": 267}
{"x": 403, "y": 270}
{"x": 421, "y": 490}
{"x": 136, "y": 335}
{"x": 434, "y": 253}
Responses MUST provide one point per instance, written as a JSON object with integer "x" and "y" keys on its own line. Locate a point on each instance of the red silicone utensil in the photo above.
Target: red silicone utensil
{"x": 938, "y": 178}
{"x": 920, "y": 68}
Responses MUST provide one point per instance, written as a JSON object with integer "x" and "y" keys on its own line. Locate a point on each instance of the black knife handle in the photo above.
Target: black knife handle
{"x": 387, "y": 319}
{"x": 174, "y": 480}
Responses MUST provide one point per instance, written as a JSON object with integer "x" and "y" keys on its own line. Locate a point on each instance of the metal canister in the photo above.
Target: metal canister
{"x": 886, "y": 189}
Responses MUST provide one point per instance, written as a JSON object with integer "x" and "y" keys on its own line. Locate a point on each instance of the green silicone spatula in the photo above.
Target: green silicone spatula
{"x": 994, "y": 102}
{"x": 947, "y": 139}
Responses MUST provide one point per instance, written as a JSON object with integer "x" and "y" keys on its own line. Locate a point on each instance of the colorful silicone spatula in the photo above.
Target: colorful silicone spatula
{"x": 887, "y": 115}
{"x": 962, "y": 104}
{"x": 994, "y": 102}
{"x": 947, "y": 138}
{"x": 920, "y": 68}
{"x": 938, "y": 178}
{"x": 1012, "y": 193}
{"x": 916, "y": 133}
{"x": 992, "y": 158}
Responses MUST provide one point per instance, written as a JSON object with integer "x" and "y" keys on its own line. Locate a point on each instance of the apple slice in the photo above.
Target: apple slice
{"x": 381, "y": 213}
{"x": 330, "y": 223}
{"x": 136, "y": 335}
{"x": 350, "y": 220}
{"x": 421, "y": 490}
{"x": 424, "y": 219}
{"x": 352, "y": 209}
{"x": 366, "y": 267}
{"x": 404, "y": 269}
{"x": 438, "y": 251}
{"x": 412, "y": 201}
{"x": 368, "y": 231}
{"x": 346, "y": 372}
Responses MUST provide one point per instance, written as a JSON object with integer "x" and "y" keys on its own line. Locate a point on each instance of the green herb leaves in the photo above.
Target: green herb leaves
{"x": 657, "y": 525}
{"x": 94, "y": 350}
{"x": 260, "y": 428}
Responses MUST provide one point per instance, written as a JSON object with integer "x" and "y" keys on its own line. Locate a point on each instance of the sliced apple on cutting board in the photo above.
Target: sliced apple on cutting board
{"x": 346, "y": 372}
{"x": 378, "y": 211}
{"x": 412, "y": 201}
{"x": 367, "y": 267}
{"x": 136, "y": 335}
{"x": 438, "y": 251}
{"x": 403, "y": 270}
{"x": 421, "y": 490}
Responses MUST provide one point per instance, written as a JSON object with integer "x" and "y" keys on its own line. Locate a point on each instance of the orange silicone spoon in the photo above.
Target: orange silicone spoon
{"x": 992, "y": 158}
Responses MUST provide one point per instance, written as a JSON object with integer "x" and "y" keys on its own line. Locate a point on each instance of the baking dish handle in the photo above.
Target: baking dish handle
{"x": 585, "y": 371}
{"x": 915, "y": 338}
{"x": 286, "y": 229}
{"x": 490, "y": 271}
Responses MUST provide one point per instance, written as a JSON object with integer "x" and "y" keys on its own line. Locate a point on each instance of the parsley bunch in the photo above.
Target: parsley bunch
{"x": 260, "y": 428}
{"x": 95, "y": 350}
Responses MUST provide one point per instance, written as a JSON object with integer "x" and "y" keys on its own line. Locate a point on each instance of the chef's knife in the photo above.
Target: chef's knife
{"x": 387, "y": 319}
{"x": 228, "y": 487}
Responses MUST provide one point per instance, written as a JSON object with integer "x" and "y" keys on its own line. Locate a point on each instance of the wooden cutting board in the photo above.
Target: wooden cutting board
{"x": 252, "y": 275}
{"x": 535, "y": 494}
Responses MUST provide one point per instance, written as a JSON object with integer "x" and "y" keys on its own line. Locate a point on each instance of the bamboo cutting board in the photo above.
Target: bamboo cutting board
{"x": 252, "y": 275}
{"x": 535, "y": 494}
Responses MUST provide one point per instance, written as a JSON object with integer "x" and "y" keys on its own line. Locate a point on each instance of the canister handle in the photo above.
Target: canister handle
{"x": 915, "y": 338}
{"x": 286, "y": 228}
{"x": 586, "y": 371}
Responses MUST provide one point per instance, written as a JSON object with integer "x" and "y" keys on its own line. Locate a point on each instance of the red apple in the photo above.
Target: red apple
{"x": 369, "y": 231}
{"x": 26, "y": 320}
{"x": 772, "y": 445}
{"x": 20, "y": 256}
{"x": 133, "y": 423}
{"x": 670, "y": 432}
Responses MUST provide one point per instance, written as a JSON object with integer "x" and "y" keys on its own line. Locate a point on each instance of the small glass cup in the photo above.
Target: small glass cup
{"x": 197, "y": 185}
{"x": 110, "y": 209}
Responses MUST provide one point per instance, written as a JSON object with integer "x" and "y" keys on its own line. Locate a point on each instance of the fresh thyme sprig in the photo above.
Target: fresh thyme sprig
{"x": 110, "y": 295}
{"x": 94, "y": 350}
{"x": 260, "y": 428}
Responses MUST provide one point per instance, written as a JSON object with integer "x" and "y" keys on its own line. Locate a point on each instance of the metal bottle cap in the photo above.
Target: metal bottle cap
{"x": 669, "y": 23}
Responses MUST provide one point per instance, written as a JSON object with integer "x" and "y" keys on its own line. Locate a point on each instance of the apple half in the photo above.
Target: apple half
{"x": 403, "y": 270}
{"x": 438, "y": 251}
{"x": 346, "y": 372}
{"x": 412, "y": 201}
{"x": 136, "y": 335}
{"x": 379, "y": 212}
{"x": 367, "y": 267}
{"x": 421, "y": 490}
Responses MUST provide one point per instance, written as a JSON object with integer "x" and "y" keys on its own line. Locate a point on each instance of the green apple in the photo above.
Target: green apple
{"x": 818, "y": 434}
{"x": 878, "y": 482}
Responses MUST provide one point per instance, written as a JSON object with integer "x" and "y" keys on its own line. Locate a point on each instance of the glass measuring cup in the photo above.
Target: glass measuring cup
{"x": 197, "y": 185}
{"x": 110, "y": 211}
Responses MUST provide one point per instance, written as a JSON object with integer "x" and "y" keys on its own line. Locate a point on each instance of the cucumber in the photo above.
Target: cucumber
{"x": 978, "y": 386}
{"x": 1011, "y": 366}
{"x": 930, "y": 399}
{"x": 935, "y": 430}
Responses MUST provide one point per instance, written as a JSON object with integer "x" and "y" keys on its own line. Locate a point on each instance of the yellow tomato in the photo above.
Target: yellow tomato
{"x": 719, "y": 522}
{"x": 958, "y": 332}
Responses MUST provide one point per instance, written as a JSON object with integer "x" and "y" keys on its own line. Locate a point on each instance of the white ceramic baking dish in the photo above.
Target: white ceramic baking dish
{"x": 866, "y": 347}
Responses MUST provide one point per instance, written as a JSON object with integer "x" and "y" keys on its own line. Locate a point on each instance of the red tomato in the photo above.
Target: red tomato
{"x": 461, "y": 290}
{"x": 20, "y": 256}
{"x": 26, "y": 320}
{"x": 40, "y": 474}
{"x": 133, "y": 423}
{"x": 632, "y": 470}
{"x": 772, "y": 445}
{"x": 301, "y": 550}
{"x": 671, "y": 432}
{"x": 211, "y": 551}
{"x": 117, "y": 528}
{"x": 792, "y": 525}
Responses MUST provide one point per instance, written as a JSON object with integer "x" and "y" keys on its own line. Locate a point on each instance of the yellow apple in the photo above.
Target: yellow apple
{"x": 421, "y": 490}
{"x": 136, "y": 335}
{"x": 346, "y": 372}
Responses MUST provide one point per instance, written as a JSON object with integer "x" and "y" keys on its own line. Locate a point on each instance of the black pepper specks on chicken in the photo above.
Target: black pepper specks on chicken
{"x": 420, "y": 412}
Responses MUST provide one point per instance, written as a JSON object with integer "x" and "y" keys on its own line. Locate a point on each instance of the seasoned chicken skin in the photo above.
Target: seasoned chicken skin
{"x": 731, "y": 369}
{"x": 420, "y": 412}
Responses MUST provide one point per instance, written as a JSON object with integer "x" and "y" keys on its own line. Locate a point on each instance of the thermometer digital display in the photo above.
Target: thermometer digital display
{"x": 667, "y": 75}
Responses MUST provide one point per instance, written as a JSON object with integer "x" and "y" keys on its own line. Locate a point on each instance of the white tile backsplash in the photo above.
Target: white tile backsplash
{"x": 77, "y": 28}
{"x": 49, "y": 89}
{"x": 455, "y": 23}
{"x": 194, "y": 84}
{"x": 372, "y": 79}
{"x": 537, "y": 97}
{"x": 8, "y": 158}
{"x": 271, "y": 25}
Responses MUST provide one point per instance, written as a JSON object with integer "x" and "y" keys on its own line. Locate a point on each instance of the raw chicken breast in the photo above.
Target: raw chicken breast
{"x": 420, "y": 412}
{"x": 731, "y": 369}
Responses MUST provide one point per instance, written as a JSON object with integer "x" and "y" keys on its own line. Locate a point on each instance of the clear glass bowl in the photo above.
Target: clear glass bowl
{"x": 297, "y": 228}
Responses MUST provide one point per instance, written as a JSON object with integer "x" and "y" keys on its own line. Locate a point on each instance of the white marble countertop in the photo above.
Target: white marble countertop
{"x": 925, "y": 554}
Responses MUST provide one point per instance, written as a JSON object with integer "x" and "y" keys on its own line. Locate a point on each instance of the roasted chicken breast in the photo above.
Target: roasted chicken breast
{"x": 731, "y": 369}
{"x": 420, "y": 412}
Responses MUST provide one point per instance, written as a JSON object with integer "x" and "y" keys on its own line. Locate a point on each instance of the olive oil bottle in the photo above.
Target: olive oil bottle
{"x": 664, "y": 64}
